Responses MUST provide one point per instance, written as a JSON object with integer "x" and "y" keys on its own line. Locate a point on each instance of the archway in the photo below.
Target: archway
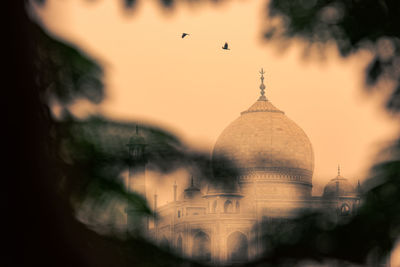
{"x": 345, "y": 210}
{"x": 201, "y": 249}
{"x": 237, "y": 206}
{"x": 228, "y": 207}
{"x": 214, "y": 207}
{"x": 237, "y": 247}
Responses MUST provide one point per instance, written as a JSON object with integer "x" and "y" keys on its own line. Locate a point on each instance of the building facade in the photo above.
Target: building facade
{"x": 273, "y": 165}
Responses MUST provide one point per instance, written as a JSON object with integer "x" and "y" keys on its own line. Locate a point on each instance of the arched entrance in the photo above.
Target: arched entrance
{"x": 237, "y": 207}
{"x": 237, "y": 247}
{"x": 201, "y": 249}
{"x": 228, "y": 206}
{"x": 214, "y": 207}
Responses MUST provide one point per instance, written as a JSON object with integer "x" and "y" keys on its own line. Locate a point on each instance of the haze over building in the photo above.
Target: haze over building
{"x": 263, "y": 166}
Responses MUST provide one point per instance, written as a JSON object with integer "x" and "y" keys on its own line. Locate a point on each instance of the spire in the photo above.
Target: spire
{"x": 175, "y": 186}
{"x": 191, "y": 191}
{"x": 192, "y": 187}
{"x": 155, "y": 200}
{"x": 262, "y": 87}
{"x": 337, "y": 187}
{"x": 359, "y": 188}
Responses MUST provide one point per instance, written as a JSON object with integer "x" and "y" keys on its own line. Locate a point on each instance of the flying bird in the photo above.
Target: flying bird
{"x": 184, "y": 35}
{"x": 225, "y": 46}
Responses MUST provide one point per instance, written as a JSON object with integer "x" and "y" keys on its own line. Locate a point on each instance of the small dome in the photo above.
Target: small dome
{"x": 220, "y": 189}
{"x": 137, "y": 140}
{"x": 339, "y": 187}
{"x": 192, "y": 192}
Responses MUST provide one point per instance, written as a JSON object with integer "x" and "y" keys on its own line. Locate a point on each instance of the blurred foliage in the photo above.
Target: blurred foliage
{"x": 352, "y": 25}
{"x": 83, "y": 163}
{"x": 69, "y": 162}
{"x": 321, "y": 237}
{"x": 69, "y": 172}
{"x": 66, "y": 73}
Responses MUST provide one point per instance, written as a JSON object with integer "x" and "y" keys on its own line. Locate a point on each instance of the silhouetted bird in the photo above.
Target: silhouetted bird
{"x": 184, "y": 34}
{"x": 225, "y": 46}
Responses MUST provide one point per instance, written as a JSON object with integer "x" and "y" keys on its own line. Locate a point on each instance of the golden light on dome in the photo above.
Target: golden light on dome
{"x": 264, "y": 142}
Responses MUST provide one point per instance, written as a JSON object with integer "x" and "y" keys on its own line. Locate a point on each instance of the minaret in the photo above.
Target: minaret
{"x": 155, "y": 201}
{"x": 155, "y": 235}
{"x": 175, "y": 187}
{"x": 337, "y": 180}
{"x": 137, "y": 221}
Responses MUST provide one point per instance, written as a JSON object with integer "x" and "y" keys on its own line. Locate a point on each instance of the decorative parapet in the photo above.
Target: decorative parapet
{"x": 276, "y": 174}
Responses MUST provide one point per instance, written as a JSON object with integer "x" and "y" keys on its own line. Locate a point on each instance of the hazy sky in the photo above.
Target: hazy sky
{"x": 195, "y": 89}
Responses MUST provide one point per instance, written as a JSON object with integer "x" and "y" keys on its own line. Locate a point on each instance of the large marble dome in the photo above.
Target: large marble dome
{"x": 264, "y": 143}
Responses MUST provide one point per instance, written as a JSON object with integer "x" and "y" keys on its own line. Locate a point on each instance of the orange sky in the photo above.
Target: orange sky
{"x": 195, "y": 89}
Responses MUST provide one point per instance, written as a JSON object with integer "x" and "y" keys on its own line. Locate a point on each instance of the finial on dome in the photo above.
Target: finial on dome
{"x": 338, "y": 170}
{"x": 262, "y": 86}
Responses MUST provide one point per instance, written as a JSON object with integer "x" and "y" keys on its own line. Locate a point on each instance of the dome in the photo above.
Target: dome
{"x": 137, "y": 140}
{"x": 192, "y": 192}
{"x": 263, "y": 139}
{"x": 339, "y": 187}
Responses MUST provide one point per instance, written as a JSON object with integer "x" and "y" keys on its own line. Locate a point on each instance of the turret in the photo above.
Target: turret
{"x": 175, "y": 188}
{"x": 342, "y": 194}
